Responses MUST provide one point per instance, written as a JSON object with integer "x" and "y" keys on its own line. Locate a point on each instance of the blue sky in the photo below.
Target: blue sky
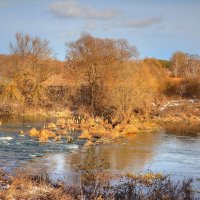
{"x": 156, "y": 27}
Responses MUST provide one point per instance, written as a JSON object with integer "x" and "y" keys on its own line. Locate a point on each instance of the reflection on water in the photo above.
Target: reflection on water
{"x": 159, "y": 152}
{"x": 186, "y": 128}
{"x": 163, "y": 152}
{"x": 133, "y": 153}
{"x": 178, "y": 155}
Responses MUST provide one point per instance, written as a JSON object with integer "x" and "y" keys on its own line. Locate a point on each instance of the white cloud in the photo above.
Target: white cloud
{"x": 141, "y": 23}
{"x": 124, "y": 23}
{"x": 71, "y": 9}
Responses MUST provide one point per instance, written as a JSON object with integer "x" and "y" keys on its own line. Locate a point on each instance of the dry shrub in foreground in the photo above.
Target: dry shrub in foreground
{"x": 96, "y": 185}
{"x": 32, "y": 187}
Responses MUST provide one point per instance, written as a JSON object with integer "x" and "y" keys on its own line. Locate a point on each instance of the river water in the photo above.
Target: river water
{"x": 165, "y": 152}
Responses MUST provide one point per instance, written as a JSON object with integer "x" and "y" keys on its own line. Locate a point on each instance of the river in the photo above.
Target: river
{"x": 166, "y": 152}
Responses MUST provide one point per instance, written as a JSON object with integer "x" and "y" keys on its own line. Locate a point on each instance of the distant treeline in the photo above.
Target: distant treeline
{"x": 100, "y": 77}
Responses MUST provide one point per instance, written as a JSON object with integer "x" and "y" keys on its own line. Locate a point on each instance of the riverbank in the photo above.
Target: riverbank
{"x": 15, "y": 111}
{"x": 181, "y": 110}
{"x": 95, "y": 130}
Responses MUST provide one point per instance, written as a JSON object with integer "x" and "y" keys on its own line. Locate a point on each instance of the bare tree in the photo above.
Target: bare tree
{"x": 192, "y": 69}
{"x": 96, "y": 63}
{"x": 30, "y": 66}
{"x": 178, "y": 63}
{"x": 30, "y": 46}
{"x": 185, "y": 65}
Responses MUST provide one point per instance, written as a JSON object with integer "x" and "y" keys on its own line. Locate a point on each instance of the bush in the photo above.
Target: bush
{"x": 95, "y": 185}
{"x": 189, "y": 87}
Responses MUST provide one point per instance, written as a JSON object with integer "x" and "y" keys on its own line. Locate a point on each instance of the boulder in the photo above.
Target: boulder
{"x": 69, "y": 139}
{"x": 96, "y": 136}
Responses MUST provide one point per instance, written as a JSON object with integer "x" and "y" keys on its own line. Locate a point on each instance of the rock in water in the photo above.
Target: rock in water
{"x": 69, "y": 139}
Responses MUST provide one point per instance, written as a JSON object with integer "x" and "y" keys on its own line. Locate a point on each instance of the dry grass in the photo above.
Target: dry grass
{"x": 33, "y": 187}
{"x": 95, "y": 185}
{"x": 185, "y": 113}
{"x": 43, "y": 135}
{"x": 97, "y": 131}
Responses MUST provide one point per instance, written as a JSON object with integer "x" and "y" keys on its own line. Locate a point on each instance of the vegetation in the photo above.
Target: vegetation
{"x": 94, "y": 184}
{"x": 26, "y": 70}
{"x": 101, "y": 78}
{"x": 185, "y": 65}
{"x": 107, "y": 92}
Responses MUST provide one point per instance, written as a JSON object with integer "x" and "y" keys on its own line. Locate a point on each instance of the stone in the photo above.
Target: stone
{"x": 69, "y": 139}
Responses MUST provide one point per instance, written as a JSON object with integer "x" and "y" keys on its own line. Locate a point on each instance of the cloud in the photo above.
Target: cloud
{"x": 71, "y": 9}
{"x": 124, "y": 23}
{"x": 141, "y": 23}
{"x": 90, "y": 26}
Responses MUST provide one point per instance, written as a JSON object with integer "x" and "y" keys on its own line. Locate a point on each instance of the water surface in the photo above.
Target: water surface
{"x": 178, "y": 155}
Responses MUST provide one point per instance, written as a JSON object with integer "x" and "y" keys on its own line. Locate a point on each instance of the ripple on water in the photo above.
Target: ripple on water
{"x": 160, "y": 152}
{"x": 16, "y": 149}
{"x": 6, "y": 138}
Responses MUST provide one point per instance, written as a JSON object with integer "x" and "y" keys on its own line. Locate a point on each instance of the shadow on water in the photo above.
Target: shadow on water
{"x": 187, "y": 128}
{"x": 158, "y": 152}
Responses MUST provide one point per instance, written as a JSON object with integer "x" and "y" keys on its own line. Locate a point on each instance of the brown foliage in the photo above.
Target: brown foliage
{"x": 95, "y": 64}
{"x": 137, "y": 89}
{"x": 28, "y": 67}
{"x": 96, "y": 185}
{"x": 185, "y": 65}
{"x": 183, "y": 87}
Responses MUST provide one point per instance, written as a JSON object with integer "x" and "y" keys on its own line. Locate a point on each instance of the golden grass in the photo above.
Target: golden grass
{"x": 23, "y": 187}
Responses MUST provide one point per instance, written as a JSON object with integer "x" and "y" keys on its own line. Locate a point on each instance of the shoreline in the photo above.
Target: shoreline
{"x": 95, "y": 133}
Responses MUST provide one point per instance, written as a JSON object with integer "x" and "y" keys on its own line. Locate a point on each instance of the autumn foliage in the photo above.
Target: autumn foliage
{"x": 100, "y": 77}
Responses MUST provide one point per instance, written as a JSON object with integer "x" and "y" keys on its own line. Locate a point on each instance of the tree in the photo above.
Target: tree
{"x": 185, "y": 65}
{"x": 30, "y": 46}
{"x": 136, "y": 91}
{"x": 95, "y": 63}
{"x": 178, "y": 63}
{"x": 29, "y": 65}
{"x": 192, "y": 69}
